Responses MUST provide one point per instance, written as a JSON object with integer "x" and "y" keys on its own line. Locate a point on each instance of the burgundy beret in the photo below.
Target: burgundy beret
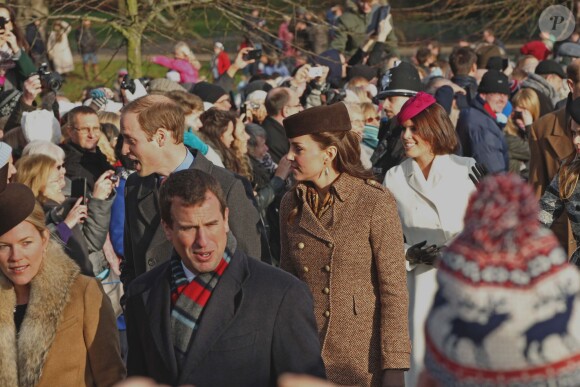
{"x": 16, "y": 203}
{"x": 415, "y": 105}
{"x": 326, "y": 118}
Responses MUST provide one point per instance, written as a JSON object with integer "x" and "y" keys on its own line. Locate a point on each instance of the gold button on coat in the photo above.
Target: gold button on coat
{"x": 306, "y": 269}
{"x": 327, "y": 314}
{"x": 327, "y": 268}
{"x": 326, "y": 290}
{"x": 330, "y": 244}
{"x": 300, "y": 245}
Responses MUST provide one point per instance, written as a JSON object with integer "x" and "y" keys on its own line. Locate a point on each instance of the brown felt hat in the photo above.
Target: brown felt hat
{"x": 16, "y": 202}
{"x": 326, "y": 118}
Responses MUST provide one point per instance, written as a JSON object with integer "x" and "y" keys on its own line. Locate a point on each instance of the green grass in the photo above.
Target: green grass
{"x": 75, "y": 82}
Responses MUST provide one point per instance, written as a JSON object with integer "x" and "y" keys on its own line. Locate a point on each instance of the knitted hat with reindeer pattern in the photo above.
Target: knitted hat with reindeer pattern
{"x": 507, "y": 312}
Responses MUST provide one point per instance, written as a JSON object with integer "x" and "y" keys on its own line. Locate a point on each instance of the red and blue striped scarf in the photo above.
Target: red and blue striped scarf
{"x": 188, "y": 300}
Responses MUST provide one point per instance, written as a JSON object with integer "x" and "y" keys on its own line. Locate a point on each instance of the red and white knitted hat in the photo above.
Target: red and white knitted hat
{"x": 507, "y": 312}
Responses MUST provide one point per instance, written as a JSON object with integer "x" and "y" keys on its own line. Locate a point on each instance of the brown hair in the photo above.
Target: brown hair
{"x": 568, "y": 177}
{"x": 22, "y": 43}
{"x": 158, "y": 111}
{"x": 434, "y": 126}
{"x": 79, "y": 111}
{"x": 461, "y": 60}
{"x": 347, "y": 158}
{"x": 33, "y": 171}
{"x": 189, "y": 102}
{"x": 190, "y": 185}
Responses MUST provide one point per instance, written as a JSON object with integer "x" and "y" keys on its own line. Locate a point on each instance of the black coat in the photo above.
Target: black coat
{"x": 389, "y": 152}
{"x": 82, "y": 163}
{"x": 145, "y": 244}
{"x": 258, "y": 324}
{"x": 277, "y": 141}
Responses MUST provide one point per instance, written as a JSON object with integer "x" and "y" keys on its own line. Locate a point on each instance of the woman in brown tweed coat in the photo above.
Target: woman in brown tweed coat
{"x": 341, "y": 234}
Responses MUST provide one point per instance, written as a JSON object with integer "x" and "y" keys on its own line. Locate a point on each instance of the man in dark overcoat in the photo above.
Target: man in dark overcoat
{"x": 212, "y": 316}
{"x": 152, "y": 127}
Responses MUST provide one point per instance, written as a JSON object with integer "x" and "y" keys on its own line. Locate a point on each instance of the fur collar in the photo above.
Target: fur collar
{"x": 22, "y": 358}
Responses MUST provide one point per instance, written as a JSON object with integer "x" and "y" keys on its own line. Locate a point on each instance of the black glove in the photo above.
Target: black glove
{"x": 479, "y": 172}
{"x": 420, "y": 254}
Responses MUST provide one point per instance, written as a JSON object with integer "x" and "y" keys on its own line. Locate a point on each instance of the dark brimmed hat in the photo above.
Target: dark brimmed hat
{"x": 16, "y": 202}
{"x": 550, "y": 67}
{"x": 208, "y": 92}
{"x": 494, "y": 81}
{"x": 401, "y": 80}
{"x": 326, "y": 118}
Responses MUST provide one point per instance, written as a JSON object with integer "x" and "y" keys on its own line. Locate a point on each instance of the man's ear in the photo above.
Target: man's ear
{"x": 226, "y": 219}
{"x": 168, "y": 230}
{"x": 161, "y": 136}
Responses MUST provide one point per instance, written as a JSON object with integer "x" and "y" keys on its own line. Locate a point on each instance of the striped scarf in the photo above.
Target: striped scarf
{"x": 188, "y": 300}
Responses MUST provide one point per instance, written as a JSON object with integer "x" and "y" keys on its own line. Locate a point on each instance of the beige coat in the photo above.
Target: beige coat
{"x": 550, "y": 143}
{"x": 68, "y": 336}
{"x": 355, "y": 269}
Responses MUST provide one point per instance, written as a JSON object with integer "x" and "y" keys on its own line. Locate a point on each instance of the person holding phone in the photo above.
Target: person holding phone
{"x": 81, "y": 223}
{"x": 15, "y": 64}
{"x": 526, "y": 110}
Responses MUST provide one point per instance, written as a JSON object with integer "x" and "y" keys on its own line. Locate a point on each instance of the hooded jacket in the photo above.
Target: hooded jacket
{"x": 68, "y": 337}
{"x": 546, "y": 94}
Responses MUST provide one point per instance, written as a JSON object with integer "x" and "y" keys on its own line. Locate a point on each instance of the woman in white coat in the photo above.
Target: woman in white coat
{"x": 432, "y": 188}
{"x": 58, "y": 48}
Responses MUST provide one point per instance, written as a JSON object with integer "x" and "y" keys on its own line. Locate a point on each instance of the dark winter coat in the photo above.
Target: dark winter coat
{"x": 482, "y": 138}
{"x": 82, "y": 163}
{"x": 258, "y": 324}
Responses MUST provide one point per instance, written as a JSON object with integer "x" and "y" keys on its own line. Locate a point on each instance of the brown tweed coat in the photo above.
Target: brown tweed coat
{"x": 355, "y": 268}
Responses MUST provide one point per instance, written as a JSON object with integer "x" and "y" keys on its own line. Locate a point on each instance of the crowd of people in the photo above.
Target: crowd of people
{"x": 317, "y": 211}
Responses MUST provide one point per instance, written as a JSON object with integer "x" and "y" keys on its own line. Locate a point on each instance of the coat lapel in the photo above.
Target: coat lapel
{"x": 157, "y": 302}
{"x": 218, "y": 314}
{"x": 307, "y": 220}
{"x": 560, "y": 139}
{"x": 417, "y": 182}
{"x": 147, "y": 199}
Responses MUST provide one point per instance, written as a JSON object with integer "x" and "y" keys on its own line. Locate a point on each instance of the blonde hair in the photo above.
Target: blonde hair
{"x": 525, "y": 99}
{"x": 34, "y": 171}
{"x": 110, "y": 118}
{"x": 369, "y": 110}
{"x": 184, "y": 48}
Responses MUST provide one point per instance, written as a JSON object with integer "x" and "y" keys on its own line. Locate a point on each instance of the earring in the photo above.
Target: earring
{"x": 326, "y": 171}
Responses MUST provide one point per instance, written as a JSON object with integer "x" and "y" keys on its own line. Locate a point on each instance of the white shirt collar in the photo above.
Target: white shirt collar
{"x": 188, "y": 274}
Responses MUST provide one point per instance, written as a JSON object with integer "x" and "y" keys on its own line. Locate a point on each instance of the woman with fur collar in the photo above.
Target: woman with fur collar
{"x": 57, "y": 328}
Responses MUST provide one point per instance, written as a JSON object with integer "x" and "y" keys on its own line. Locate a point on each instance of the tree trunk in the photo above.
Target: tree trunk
{"x": 134, "y": 59}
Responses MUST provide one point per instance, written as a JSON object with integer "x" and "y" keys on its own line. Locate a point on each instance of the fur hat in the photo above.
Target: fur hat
{"x": 208, "y": 92}
{"x": 507, "y": 308}
{"x": 326, "y": 118}
{"x": 494, "y": 81}
{"x": 40, "y": 125}
{"x": 16, "y": 202}
{"x": 401, "y": 80}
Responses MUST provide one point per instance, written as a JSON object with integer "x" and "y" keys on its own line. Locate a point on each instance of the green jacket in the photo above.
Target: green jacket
{"x": 351, "y": 31}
